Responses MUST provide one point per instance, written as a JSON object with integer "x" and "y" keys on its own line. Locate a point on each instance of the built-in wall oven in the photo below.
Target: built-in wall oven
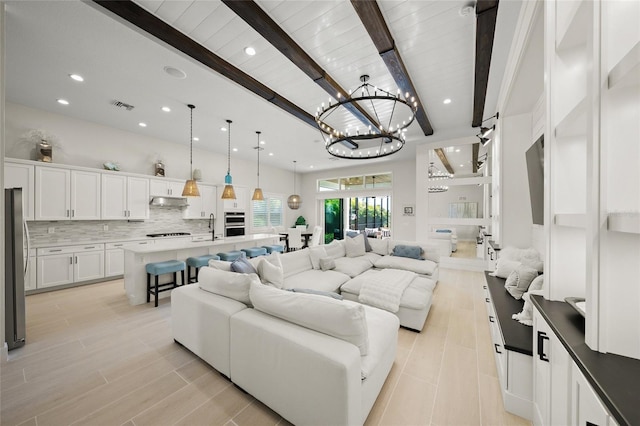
{"x": 234, "y": 225}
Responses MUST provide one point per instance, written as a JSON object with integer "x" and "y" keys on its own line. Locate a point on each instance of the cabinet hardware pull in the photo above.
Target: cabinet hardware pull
{"x": 496, "y": 346}
{"x": 491, "y": 256}
{"x": 118, "y": 245}
{"x": 90, "y": 247}
{"x": 486, "y": 299}
{"x": 491, "y": 318}
{"x": 52, "y": 251}
{"x": 68, "y": 214}
{"x": 484, "y": 287}
{"x": 75, "y": 258}
{"x": 488, "y": 250}
{"x": 542, "y": 336}
{"x": 70, "y": 260}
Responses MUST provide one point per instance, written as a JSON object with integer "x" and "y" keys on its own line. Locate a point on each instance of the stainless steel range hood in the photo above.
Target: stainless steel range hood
{"x": 169, "y": 201}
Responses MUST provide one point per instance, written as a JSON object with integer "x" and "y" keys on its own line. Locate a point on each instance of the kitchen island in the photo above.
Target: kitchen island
{"x": 136, "y": 258}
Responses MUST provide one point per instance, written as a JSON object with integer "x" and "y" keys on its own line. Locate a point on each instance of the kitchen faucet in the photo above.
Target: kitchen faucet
{"x": 211, "y": 226}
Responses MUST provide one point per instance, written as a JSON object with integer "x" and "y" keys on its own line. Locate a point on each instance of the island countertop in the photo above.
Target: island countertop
{"x": 181, "y": 244}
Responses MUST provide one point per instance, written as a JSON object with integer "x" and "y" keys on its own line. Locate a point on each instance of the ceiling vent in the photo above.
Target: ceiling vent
{"x": 123, "y": 105}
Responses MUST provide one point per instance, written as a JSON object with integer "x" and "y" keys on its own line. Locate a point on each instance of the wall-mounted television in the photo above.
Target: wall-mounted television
{"x": 535, "y": 171}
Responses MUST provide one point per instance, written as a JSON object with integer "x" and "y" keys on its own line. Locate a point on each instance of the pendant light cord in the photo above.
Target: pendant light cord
{"x": 191, "y": 107}
{"x": 258, "y": 149}
{"x": 294, "y": 176}
{"x": 229, "y": 148}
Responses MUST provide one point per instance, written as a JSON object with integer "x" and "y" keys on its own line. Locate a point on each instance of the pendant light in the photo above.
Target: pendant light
{"x": 228, "y": 193}
{"x": 190, "y": 186}
{"x": 257, "y": 193}
{"x": 294, "y": 200}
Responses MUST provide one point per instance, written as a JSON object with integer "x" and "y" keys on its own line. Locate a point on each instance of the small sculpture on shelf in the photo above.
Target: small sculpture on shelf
{"x": 159, "y": 168}
{"x": 44, "y": 143}
{"x": 111, "y": 166}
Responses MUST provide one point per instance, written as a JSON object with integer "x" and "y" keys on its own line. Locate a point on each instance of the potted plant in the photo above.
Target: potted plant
{"x": 301, "y": 221}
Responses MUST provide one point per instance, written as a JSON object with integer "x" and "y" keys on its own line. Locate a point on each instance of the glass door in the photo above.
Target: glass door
{"x": 333, "y": 220}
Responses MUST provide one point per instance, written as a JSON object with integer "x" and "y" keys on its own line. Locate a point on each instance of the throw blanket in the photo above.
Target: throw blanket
{"x": 384, "y": 289}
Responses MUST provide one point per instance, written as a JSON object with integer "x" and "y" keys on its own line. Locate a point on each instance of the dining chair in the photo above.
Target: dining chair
{"x": 295, "y": 239}
{"x": 315, "y": 237}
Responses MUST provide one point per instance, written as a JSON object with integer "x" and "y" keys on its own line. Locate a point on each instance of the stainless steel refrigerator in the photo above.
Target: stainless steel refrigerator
{"x": 14, "y": 226}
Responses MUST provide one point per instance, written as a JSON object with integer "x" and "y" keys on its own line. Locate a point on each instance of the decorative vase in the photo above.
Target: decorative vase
{"x": 44, "y": 151}
{"x": 160, "y": 168}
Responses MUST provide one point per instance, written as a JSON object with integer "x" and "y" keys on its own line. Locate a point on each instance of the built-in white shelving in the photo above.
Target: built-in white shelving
{"x": 572, "y": 17}
{"x": 574, "y": 123}
{"x": 624, "y": 222}
{"x": 572, "y": 220}
{"x": 627, "y": 71}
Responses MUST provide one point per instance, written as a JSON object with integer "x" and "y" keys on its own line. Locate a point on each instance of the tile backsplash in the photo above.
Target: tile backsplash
{"x": 161, "y": 219}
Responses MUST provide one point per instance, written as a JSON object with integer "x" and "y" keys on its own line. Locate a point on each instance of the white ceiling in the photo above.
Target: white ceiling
{"x": 48, "y": 40}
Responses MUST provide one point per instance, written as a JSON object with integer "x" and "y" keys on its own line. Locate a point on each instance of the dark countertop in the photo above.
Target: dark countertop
{"x": 615, "y": 378}
{"x": 517, "y": 337}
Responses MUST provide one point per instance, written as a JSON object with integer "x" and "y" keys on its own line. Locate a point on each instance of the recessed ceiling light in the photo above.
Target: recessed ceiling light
{"x": 235, "y": 149}
{"x": 142, "y": 124}
{"x": 175, "y": 72}
{"x": 458, "y": 150}
{"x": 461, "y": 165}
{"x": 166, "y": 109}
{"x": 249, "y": 50}
{"x": 446, "y": 101}
{"x": 76, "y": 77}
{"x": 311, "y": 167}
{"x": 63, "y": 101}
{"x": 262, "y": 142}
{"x": 223, "y": 129}
{"x": 196, "y": 139}
{"x": 271, "y": 154}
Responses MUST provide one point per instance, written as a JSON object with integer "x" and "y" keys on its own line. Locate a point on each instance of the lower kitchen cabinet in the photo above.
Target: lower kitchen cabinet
{"x": 114, "y": 257}
{"x": 65, "y": 265}
{"x": 30, "y": 278}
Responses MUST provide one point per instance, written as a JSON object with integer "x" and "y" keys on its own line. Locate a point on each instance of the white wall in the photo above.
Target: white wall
{"x": 87, "y": 144}
{"x": 403, "y": 193}
{"x": 439, "y": 206}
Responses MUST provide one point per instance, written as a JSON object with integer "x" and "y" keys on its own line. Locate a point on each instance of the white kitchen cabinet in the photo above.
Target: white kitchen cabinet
{"x": 114, "y": 256}
{"x": 53, "y": 193}
{"x": 30, "y": 278}
{"x": 18, "y": 175}
{"x": 586, "y": 407}
{"x": 124, "y": 197}
{"x": 203, "y": 206}
{"x": 85, "y": 195}
{"x": 88, "y": 264}
{"x": 54, "y": 270}
{"x": 239, "y": 204}
{"x": 163, "y": 187}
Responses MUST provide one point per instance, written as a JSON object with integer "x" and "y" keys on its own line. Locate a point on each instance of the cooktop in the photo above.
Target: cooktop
{"x": 168, "y": 234}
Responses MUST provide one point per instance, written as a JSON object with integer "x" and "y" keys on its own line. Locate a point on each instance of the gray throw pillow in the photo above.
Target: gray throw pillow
{"x": 519, "y": 280}
{"x": 327, "y": 263}
{"x": 317, "y": 292}
{"x": 243, "y": 266}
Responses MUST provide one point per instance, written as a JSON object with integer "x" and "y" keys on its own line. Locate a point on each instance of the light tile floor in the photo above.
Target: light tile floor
{"x": 92, "y": 359}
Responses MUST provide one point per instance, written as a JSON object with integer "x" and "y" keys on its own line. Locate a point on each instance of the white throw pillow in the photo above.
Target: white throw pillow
{"x": 222, "y": 265}
{"x": 537, "y": 283}
{"x": 270, "y": 273}
{"x": 355, "y": 246}
{"x": 505, "y": 267}
{"x": 228, "y": 284}
{"x": 379, "y": 246}
{"x": 316, "y": 253}
{"x": 342, "y": 319}
{"x": 519, "y": 281}
{"x": 335, "y": 249}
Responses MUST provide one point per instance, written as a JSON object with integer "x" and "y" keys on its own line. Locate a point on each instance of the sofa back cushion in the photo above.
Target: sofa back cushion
{"x": 354, "y": 246}
{"x": 233, "y": 285}
{"x": 335, "y": 249}
{"x": 379, "y": 246}
{"x": 296, "y": 262}
{"x": 342, "y": 319}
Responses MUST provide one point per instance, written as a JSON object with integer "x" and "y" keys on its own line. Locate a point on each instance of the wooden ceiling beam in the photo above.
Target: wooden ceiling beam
{"x": 486, "y": 15}
{"x": 475, "y": 149}
{"x": 374, "y": 22}
{"x": 259, "y": 20}
{"x": 140, "y": 18}
{"x": 444, "y": 160}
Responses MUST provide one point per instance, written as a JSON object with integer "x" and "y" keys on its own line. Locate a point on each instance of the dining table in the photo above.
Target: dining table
{"x": 305, "y": 234}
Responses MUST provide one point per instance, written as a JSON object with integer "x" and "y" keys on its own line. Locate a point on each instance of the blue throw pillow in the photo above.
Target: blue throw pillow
{"x": 243, "y": 266}
{"x": 413, "y": 252}
{"x": 317, "y": 292}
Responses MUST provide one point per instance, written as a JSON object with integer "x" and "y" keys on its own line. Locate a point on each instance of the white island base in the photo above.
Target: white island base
{"x": 136, "y": 258}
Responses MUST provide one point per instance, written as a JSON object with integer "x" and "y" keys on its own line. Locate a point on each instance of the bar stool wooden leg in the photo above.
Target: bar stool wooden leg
{"x": 156, "y": 291}
{"x": 148, "y": 287}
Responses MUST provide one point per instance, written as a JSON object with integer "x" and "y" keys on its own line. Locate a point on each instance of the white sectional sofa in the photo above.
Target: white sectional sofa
{"x": 311, "y": 358}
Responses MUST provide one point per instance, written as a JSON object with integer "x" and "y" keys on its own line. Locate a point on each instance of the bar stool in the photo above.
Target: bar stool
{"x": 230, "y": 256}
{"x": 160, "y": 268}
{"x": 198, "y": 262}
{"x": 274, "y": 248}
{"x": 255, "y": 251}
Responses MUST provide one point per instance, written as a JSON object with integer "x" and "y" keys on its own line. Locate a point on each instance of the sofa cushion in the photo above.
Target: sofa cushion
{"x": 381, "y": 325}
{"x": 271, "y": 273}
{"x": 352, "y": 266}
{"x": 316, "y": 253}
{"x": 379, "y": 246}
{"x": 424, "y": 267}
{"x": 335, "y": 249}
{"x": 327, "y": 263}
{"x": 316, "y": 279}
{"x": 354, "y": 234}
{"x": 228, "y": 284}
{"x": 342, "y": 319}
{"x": 354, "y": 246}
{"x": 412, "y": 252}
{"x": 223, "y": 265}
{"x": 296, "y": 262}
{"x": 371, "y": 257}
{"x": 317, "y": 292}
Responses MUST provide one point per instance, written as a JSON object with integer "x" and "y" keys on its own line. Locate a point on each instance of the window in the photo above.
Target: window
{"x": 377, "y": 181}
{"x": 267, "y": 213}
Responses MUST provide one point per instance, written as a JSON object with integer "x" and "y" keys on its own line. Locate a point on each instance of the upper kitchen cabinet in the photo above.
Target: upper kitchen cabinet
{"x": 239, "y": 204}
{"x": 203, "y": 206}
{"x": 63, "y": 194}
{"x": 165, "y": 188}
{"x": 124, "y": 197}
{"x": 18, "y": 175}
